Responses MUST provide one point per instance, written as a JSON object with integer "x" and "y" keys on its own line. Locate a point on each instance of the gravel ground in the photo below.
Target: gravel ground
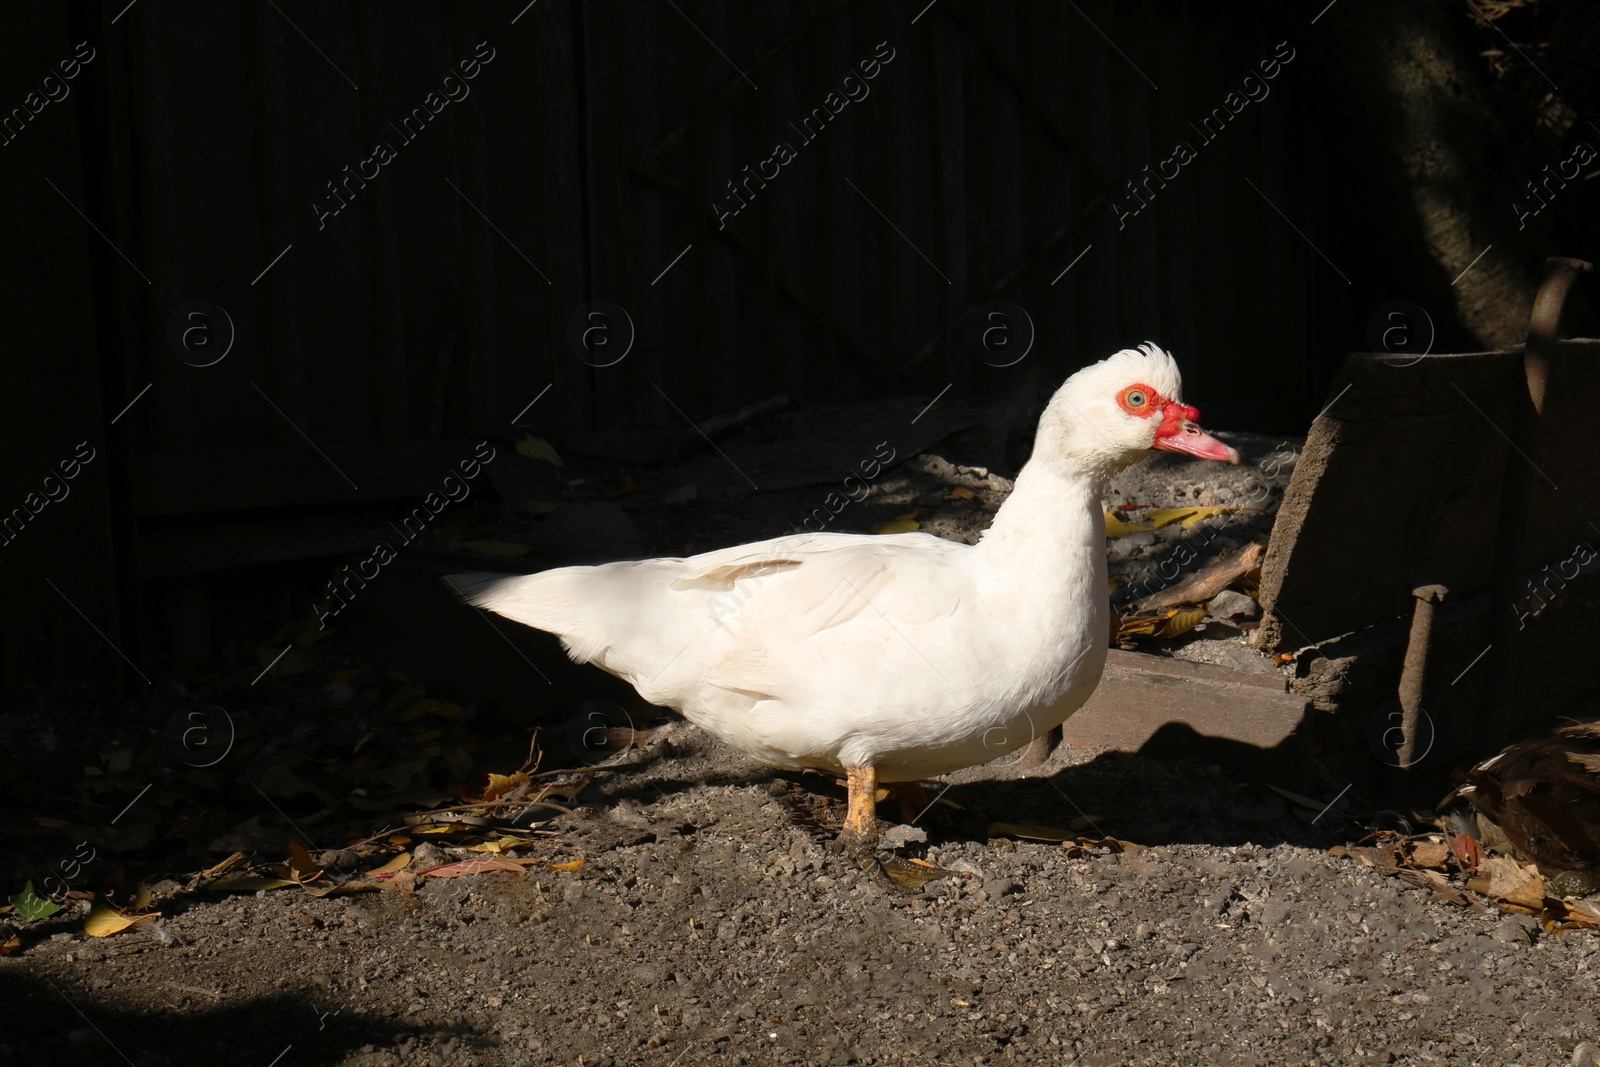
{"x": 713, "y": 922}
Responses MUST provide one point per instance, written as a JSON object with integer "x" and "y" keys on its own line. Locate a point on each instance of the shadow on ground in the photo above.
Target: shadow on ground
{"x": 73, "y": 1016}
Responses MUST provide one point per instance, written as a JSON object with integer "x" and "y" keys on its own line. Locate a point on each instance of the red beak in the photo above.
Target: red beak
{"x": 1180, "y": 433}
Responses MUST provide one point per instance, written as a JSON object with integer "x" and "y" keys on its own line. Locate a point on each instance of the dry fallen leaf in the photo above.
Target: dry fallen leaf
{"x": 1030, "y": 832}
{"x": 248, "y": 884}
{"x": 962, "y": 493}
{"x": 301, "y": 863}
{"x": 1187, "y": 516}
{"x": 538, "y": 448}
{"x": 913, "y": 875}
{"x": 571, "y": 865}
{"x": 1500, "y": 875}
{"x": 897, "y": 526}
{"x": 1430, "y": 854}
{"x": 392, "y": 866}
{"x": 1181, "y": 621}
{"x": 1137, "y": 626}
{"x": 1576, "y": 912}
{"x": 1174, "y": 623}
{"x": 1086, "y": 846}
{"x": 497, "y": 847}
{"x": 1348, "y": 852}
{"x": 11, "y": 946}
{"x": 105, "y": 921}
{"x": 476, "y": 865}
{"x": 501, "y": 784}
{"x": 1115, "y": 527}
{"x": 1510, "y": 885}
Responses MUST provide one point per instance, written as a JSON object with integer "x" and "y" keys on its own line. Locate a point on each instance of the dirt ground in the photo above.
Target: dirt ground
{"x": 713, "y": 923}
{"x": 690, "y": 908}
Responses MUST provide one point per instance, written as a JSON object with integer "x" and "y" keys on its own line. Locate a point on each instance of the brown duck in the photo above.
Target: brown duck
{"x": 1544, "y": 797}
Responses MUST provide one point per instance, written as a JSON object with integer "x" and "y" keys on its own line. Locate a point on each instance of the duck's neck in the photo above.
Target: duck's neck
{"x": 1045, "y": 556}
{"x": 1046, "y": 514}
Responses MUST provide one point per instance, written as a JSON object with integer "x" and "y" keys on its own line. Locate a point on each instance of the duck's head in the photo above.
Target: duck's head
{"x": 1114, "y": 412}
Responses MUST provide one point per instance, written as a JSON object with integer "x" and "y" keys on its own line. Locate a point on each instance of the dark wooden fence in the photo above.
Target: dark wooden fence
{"x": 391, "y": 216}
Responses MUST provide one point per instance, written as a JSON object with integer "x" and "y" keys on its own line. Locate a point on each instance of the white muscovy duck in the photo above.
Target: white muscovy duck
{"x": 887, "y": 658}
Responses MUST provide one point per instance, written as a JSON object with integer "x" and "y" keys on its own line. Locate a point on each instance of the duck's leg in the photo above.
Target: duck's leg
{"x": 861, "y": 823}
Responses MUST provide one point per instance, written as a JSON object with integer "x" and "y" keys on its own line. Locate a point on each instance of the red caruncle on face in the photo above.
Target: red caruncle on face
{"x": 1144, "y": 402}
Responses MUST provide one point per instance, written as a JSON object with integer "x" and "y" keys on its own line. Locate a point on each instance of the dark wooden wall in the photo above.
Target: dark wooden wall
{"x": 371, "y": 347}
{"x": 590, "y": 150}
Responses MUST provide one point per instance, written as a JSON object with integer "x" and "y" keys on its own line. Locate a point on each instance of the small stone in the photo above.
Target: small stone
{"x": 1586, "y": 1055}
{"x": 1232, "y": 604}
{"x": 338, "y": 859}
{"x": 965, "y": 866}
{"x": 427, "y": 855}
{"x": 900, "y": 835}
{"x": 1515, "y": 929}
{"x": 937, "y": 466}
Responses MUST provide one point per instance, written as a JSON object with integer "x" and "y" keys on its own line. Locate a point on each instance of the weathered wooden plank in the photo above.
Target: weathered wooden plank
{"x": 1400, "y": 484}
{"x": 1243, "y": 719}
{"x": 1566, "y": 493}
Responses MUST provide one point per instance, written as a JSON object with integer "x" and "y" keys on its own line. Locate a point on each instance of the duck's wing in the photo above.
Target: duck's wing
{"x": 746, "y": 618}
{"x": 855, "y": 610}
